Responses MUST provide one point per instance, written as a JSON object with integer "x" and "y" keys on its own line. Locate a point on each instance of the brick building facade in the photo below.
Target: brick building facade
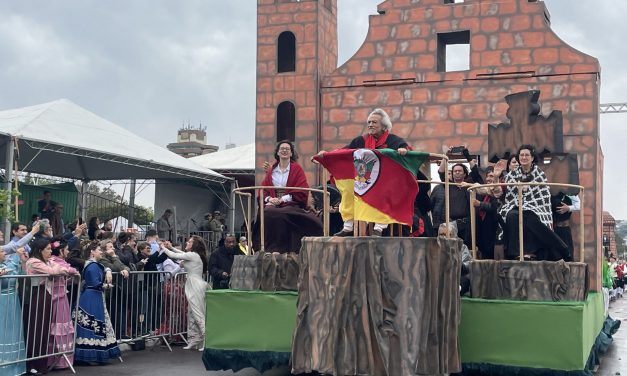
{"x": 401, "y": 67}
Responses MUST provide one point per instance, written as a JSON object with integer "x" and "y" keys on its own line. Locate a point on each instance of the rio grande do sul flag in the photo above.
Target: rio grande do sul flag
{"x": 376, "y": 185}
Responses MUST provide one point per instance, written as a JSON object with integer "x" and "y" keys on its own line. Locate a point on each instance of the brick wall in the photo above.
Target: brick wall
{"x": 512, "y": 49}
{"x": 313, "y": 23}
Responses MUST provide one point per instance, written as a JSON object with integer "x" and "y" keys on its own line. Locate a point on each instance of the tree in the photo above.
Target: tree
{"x": 8, "y": 212}
{"x": 105, "y": 203}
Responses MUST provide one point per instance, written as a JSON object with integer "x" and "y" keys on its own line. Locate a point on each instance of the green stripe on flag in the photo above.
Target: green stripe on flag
{"x": 410, "y": 161}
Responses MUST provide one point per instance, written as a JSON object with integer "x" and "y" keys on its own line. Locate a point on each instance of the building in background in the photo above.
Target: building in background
{"x": 609, "y": 234}
{"x": 191, "y": 142}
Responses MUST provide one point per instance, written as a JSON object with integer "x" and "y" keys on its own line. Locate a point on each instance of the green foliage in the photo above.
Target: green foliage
{"x": 8, "y": 212}
{"x": 105, "y": 203}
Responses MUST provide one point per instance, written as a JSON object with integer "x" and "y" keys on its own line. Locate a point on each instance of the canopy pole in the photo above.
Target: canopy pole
{"x": 131, "y": 204}
{"x": 8, "y": 174}
{"x": 232, "y": 208}
{"x": 83, "y": 209}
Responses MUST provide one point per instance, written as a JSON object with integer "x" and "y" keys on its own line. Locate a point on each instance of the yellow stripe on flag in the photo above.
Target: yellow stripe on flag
{"x": 365, "y": 212}
{"x": 347, "y": 205}
{"x": 353, "y": 207}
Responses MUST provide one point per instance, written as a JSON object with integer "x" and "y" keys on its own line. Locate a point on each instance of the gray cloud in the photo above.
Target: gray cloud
{"x": 151, "y": 65}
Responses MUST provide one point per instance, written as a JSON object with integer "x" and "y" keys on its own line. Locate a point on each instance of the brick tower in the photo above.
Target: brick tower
{"x": 296, "y": 47}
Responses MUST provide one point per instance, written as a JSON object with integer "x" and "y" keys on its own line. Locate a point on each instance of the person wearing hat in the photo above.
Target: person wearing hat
{"x": 206, "y": 224}
{"x": 243, "y": 244}
{"x": 216, "y": 227}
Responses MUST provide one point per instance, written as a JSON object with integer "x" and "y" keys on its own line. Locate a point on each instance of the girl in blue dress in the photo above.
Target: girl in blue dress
{"x": 12, "y": 347}
{"x": 95, "y": 338}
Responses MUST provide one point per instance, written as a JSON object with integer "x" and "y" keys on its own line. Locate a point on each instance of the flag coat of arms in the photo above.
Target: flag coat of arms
{"x": 376, "y": 185}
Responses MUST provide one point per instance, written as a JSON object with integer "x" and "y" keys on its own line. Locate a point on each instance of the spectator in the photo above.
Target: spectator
{"x": 61, "y": 325}
{"x": 150, "y": 287}
{"x": 56, "y": 220}
{"x": 539, "y": 240}
{"x": 195, "y": 259}
{"x": 465, "y": 257}
{"x": 164, "y": 227}
{"x": 108, "y": 226}
{"x": 93, "y": 227}
{"x": 20, "y": 237}
{"x": 151, "y": 238}
{"x": 116, "y": 295}
{"x": 243, "y": 244}
{"x": 562, "y": 207}
{"x": 37, "y": 321}
{"x": 221, "y": 261}
{"x": 127, "y": 250}
{"x": 95, "y": 338}
{"x": 216, "y": 227}
{"x": 487, "y": 204}
{"x": 512, "y": 164}
{"x": 459, "y": 202}
{"x": 46, "y": 206}
{"x": 206, "y": 224}
{"x": 11, "y": 329}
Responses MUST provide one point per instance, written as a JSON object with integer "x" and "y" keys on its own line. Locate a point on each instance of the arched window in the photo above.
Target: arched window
{"x": 286, "y": 52}
{"x": 285, "y": 121}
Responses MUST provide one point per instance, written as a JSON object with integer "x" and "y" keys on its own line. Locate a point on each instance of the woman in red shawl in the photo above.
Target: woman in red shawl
{"x": 285, "y": 215}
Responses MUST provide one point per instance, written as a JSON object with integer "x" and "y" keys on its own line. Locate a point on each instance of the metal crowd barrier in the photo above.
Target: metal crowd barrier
{"x": 36, "y": 319}
{"x": 139, "y": 306}
{"x": 177, "y": 320}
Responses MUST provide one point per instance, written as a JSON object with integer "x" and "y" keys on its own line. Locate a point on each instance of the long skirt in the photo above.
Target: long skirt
{"x": 538, "y": 239}
{"x": 195, "y": 289}
{"x": 61, "y": 332}
{"x": 95, "y": 339}
{"x": 37, "y": 327}
{"x": 11, "y": 333}
{"x": 285, "y": 227}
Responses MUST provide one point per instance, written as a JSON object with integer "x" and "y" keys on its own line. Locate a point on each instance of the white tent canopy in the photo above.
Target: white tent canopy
{"x": 239, "y": 159}
{"x": 63, "y": 139}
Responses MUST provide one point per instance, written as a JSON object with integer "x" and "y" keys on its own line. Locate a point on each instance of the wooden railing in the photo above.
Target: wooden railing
{"x": 473, "y": 195}
{"x": 261, "y": 188}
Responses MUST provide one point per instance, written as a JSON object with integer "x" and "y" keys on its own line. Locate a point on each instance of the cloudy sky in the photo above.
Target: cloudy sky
{"x": 153, "y": 65}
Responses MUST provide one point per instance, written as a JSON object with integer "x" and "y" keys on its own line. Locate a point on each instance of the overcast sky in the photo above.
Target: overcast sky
{"x": 153, "y": 65}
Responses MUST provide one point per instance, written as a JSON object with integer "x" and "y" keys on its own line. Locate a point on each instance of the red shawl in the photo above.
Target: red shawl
{"x": 373, "y": 143}
{"x": 296, "y": 178}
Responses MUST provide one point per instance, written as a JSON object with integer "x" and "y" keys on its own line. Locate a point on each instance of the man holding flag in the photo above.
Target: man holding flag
{"x": 369, "y": 177}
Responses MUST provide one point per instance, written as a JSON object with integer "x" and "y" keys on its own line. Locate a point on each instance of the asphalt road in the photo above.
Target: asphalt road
{"x": 614, "y": 362}
{"x": 157, "y": 360}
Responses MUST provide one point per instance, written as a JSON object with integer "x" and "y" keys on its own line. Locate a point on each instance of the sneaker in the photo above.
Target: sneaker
{"x": 344, "y": 233}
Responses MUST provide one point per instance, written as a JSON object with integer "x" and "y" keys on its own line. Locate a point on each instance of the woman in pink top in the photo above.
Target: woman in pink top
{"x": 38, "y": 317}
{"x": 61, "y": 326}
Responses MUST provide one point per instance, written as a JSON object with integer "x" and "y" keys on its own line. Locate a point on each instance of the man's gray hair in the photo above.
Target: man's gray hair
{"x": 452, "y": 225}
{"x": 385, "y": 118}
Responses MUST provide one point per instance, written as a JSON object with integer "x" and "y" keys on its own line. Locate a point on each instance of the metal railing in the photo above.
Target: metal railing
{"x": 36, "y": 321}
{"x": 473, "y": 195}
{"x": 139, "y": 305}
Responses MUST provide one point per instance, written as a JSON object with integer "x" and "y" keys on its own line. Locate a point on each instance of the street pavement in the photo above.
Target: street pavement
{"x": 157, "y": 360}
{"x": 614, "y": 362}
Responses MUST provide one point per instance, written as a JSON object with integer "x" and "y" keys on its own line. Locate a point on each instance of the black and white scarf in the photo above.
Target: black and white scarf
{"x": 536, "y": 198}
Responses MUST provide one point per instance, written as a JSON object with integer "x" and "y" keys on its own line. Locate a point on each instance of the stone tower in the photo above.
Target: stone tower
{"x": 296, "y": 47}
